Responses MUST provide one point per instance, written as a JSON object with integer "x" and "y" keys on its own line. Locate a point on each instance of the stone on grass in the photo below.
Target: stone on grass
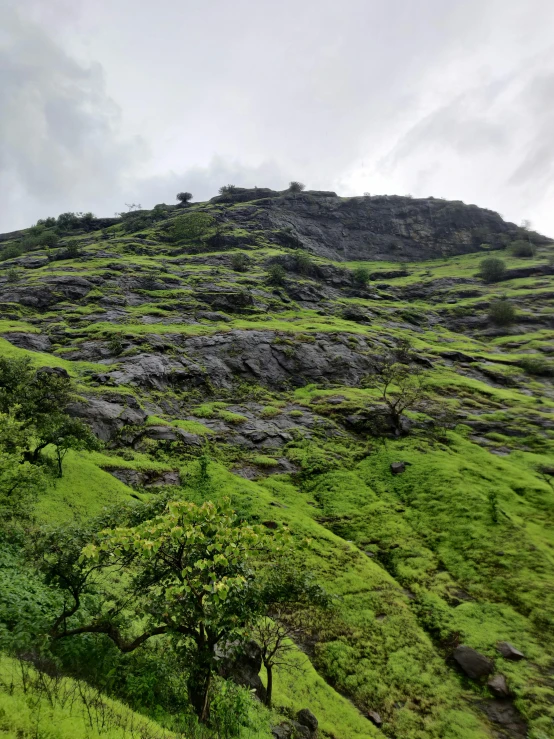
{"x": 472, "y": 662}
{"x": 499, "y": 686}
{"x": 375, "y": 718}
{"x": 307, "y": 718}
{"x": 397, "y": 468}
{"x": 508, "y": 651}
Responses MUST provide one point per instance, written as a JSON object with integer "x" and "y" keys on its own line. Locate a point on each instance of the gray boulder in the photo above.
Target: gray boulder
{"x": 242, "y": 662}
{"x": 306, "y": 718}
{"x": 508, "y": 651}
{"x": 472, "y": 662}
{"x": 499, "y": 686}
{"x": 32, "y": 342}
{"x": 106, "y": 418}
{"x": 375, "y": 718}
{"x": 397, "y": 468}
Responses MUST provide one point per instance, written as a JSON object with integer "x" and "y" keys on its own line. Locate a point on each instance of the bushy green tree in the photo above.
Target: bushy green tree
{"x": 276, "y": 275}
{"x": 502, "y": 312}
{"x": 184, "y": 197}
{"x": 11, "y": 252}
{"x": 239, "y": 262}
{"x": 227, "y": 189}
{"x": 522, "y": 248}
{"x": 361, "y": 276}
{"x": 38, "y": 400}
{"x": 295, "y": 186}
{"x": 20, "y": 481}
{"x": 194, "y": 574}
{"x": 492, "y": 269}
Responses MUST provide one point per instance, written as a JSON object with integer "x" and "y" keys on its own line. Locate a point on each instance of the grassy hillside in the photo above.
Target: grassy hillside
{"x": 226, "y": 342}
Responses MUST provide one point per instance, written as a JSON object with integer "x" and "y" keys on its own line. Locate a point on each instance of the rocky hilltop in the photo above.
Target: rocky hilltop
{"x": 251, "y": 336}
{"x": 379, "y": 227}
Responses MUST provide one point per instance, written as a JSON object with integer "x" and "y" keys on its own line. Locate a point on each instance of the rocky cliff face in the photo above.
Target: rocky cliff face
{"x": 378, "y": 227}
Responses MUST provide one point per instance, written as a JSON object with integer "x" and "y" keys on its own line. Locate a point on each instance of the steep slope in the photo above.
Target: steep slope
{"x": 247, "y": 327}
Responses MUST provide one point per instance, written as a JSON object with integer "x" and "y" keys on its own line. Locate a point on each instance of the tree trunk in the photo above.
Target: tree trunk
{"x": 269, "y": 689}
{"x": 199, "y": 684}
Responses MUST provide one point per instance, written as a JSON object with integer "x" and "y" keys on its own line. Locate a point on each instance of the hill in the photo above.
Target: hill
{"x": 254, "y": 334}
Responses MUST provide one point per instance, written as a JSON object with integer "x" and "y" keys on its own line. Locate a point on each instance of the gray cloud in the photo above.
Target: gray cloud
{"x": 452, "y": 99}
{"x": 59, "y": 146}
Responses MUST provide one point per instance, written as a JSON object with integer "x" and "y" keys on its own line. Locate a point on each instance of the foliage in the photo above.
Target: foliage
{"x": 537, "y": 365}
{"x": 361, "y": 276}
{"x": 522, "y": 248}
{"x": 13, "y": 275}
{"x": 190, "y": 227}
{"x": 502, "y": 312}
{"x": 184, "y": 197}
{"x": 276, "y": 275}
{"x": 11, "y": 252}
{"x": 227, "y": 189}
{"x": 401, "y": 386}
{"x": 303, "y": 263}
{"x": 191, "y": 575}
{"x": 20, "y": 481}
{"x": 492, "y": 269}
{"x": 239, "y": 262}
{"x": 67, "y": 222}
{"x": 295, "y": 186}
{"x": 38, "y": 400}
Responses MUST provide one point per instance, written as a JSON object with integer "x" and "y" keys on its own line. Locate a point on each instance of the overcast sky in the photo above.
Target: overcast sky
{"x": 129, "y": 101}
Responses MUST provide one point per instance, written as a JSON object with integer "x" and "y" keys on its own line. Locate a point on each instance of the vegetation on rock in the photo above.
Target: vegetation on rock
{"x": 307, "y": 451}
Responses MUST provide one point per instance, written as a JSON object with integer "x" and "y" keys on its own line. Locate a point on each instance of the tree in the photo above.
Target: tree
{"x": 522, "y": 248}
{"x": 502, "y": 312}
{"x": 239, "y": 262}
{"x": 184, "y": 197}
{"x": 38, "y": 399}
{"x": 361, "y": 276}
{"x": 402, "y": 388}
{"x": 295, "y": 186}
{"x": 276, "y": 641}
{"x": 303, "y": 263}
{"x": 13, "y": 275}
{"x": 276, "y": 275}
{"x": 191, "y": 574}
{"x": 20, "y": 482}
{"x": 292, "y": 603}
{"x": 227, "y": 189}
{"x": 69, "y": 433}
{"x": 492, "y": 269}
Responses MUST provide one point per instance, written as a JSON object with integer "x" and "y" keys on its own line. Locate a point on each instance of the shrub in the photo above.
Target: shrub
{"x": 13, "y": 275}
{"x": 47, "y": 222}
{"x": 492, "y": 269}
{"x": 190, "y": 227}
{"x": 227, "y": 189}
{"x": 276, "y": 275}
{"x": 537, "y": 365}
{"x": 239, "y": 262}
{"x": 72, "y": 251}
{"x": 184, "y": 197}
{"x": 522, "y": 248}
{"x": 295, "y": 186}
{"x": 502, "y": 312}
{"x": 11, "y": 252}
{"x": 361, "y": 276}
{"x": 48, "y": 238}
{"x": 303, "y": 263}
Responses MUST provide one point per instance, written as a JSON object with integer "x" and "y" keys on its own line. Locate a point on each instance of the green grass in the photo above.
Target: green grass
{"x": 69, "y": 710}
